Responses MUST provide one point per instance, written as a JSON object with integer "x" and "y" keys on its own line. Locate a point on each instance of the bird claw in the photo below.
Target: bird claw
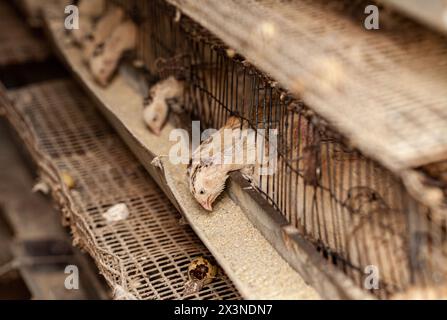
{"x": 156, "y": 162}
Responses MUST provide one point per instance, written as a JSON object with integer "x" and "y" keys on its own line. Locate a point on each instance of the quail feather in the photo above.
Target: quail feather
{"x": 89, "y": 10}
{"x": 123, "y": 39}
{"x": 215, "y": 158}
{"x": 166, "y": 95}
{"x": 103, "y": 29}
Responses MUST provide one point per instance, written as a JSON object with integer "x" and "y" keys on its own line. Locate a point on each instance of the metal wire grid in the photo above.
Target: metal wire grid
{"x": 389, "y": 83}
{"x": 17, "y": 45}
{"x": 356, "y": 213}
{"x": 147, "y": 254}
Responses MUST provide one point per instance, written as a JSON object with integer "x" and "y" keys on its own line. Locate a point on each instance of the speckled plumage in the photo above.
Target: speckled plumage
{"x": 88, "y": 11}
{"x": 122, "y": 39}
{"x": 94, "y": 43}
{"x": 167, "y": 95}
{"x": 209, "y": 171}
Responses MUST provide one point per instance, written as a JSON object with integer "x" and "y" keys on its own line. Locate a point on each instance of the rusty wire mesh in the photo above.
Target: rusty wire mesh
{"x": 370, "y": 84}
{"x": 146, "y": 254}
{"x": 354, "y": 211}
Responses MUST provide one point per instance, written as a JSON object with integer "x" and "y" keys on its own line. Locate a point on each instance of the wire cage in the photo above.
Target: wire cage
{"x": 355, "y": 212}
{"x": 145, "y": 256}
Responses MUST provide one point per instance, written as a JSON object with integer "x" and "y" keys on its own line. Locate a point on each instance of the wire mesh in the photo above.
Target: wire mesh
{"x": 371, "y": 84}
{"x": 147, "y": 254}
{"x": 355, "y": 212}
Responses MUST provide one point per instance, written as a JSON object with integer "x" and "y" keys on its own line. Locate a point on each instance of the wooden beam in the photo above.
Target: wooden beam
{"x": 382, "y": 89}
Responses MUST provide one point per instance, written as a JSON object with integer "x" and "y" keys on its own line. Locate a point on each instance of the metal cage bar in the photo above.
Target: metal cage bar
{"x": 355, "y": 212}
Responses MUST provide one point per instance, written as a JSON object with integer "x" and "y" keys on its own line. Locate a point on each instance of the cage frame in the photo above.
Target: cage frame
{"x": 286, "y": 243}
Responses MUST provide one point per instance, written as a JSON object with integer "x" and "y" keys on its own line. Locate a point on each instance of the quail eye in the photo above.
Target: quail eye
{"x": 154, "y": 119}
{"x": 202, "y": 192}
{"x": 147, "y": 100}
{"x": 172, "y": 101}
{"x": 98, "y": 50}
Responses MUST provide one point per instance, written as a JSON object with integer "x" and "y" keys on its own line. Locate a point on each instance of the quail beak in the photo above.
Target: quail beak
{"x": 207, "y": 206}
{"x": 156, "y": 131}
{"x": 101, "y": 81}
